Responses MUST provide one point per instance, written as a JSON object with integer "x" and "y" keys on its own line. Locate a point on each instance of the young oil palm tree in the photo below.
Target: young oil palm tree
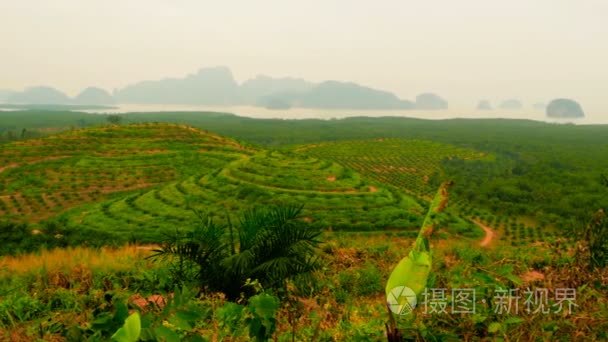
{"x": 270, "y": 245}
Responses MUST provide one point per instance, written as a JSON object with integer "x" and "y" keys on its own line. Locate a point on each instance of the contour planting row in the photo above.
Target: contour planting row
{"x": 114, "y": 141}
{"x": 407, "y": 164}
{"x": 517, "y": 231}
{"x": 334, "y": 198}
{"x": 272, "y": 169}
{"x": 33, "y": 189}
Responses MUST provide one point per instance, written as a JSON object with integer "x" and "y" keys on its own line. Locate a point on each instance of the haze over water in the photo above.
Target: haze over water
{"x": 307, "y": 113}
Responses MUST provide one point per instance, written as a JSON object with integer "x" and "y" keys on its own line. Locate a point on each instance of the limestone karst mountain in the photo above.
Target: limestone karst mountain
{"x": 564, "y": 108}
{"x": 94, "y": 96}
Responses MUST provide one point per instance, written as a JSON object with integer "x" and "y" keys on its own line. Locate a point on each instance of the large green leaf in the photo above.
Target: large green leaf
{"x": 264, "y": 305}
{"x": 130, "y": 331}
{"x": 413, "y": 270}
{"x": 262, "y": 323}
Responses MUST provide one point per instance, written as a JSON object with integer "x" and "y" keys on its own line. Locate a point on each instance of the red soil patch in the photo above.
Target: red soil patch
{"x": 450, "y": 260}
{"x": 153, "y": 300}
{"x": 331, "y": 178}
{"x": 373, "y": 189}
{"x": 347, "y": 257}
{"x": 532, "y": 276}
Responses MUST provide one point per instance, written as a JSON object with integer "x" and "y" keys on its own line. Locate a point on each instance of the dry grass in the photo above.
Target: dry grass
{"x": 64, "y": 260}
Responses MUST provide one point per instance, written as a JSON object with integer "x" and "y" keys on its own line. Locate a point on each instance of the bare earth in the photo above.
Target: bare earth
{"x": 532, "y": 276}
{"x": 489, "y": 234}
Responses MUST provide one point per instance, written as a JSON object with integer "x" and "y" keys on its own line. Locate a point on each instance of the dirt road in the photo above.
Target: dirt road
{"x": 489, "y": 234}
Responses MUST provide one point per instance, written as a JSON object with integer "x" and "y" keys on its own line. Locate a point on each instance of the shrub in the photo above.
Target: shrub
{"x": 270, "y": 245}
{"x": 370, "y": 280}
{"x": 20, "y": 308}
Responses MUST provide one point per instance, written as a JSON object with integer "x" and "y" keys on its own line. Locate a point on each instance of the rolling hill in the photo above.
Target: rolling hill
{"x": 334, "y": 198}
{"x": 407, "y": 164}
{"x": 143, "y": 180}
{"x": 42, "y": 177}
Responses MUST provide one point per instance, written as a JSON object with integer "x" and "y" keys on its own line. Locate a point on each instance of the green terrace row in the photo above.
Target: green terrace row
{"x": 123, "y": 140}
{"x": 314, "y": 174}
{"x": 162, "y": 210}
{"x": 407, "y": 164}
{"x": 33, "y": 189}
{"x": 86, "y": 173}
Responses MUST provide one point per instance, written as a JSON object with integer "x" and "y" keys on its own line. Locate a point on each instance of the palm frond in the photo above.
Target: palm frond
{"x": 273, "y": 245}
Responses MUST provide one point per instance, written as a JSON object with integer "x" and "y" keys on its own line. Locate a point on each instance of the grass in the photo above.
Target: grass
{"x": 345, "y": 302}
{"x": 68, "y": 259}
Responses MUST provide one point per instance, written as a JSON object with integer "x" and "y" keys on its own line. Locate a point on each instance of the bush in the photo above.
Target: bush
{"x": 20, "y": 308}
{"x": 370, "y": 280}
{"x": 270, "y": 245}
{"x": 362, "y": 282}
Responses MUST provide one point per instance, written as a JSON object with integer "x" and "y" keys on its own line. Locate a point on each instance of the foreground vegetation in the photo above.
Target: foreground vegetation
{"x": 78, "y": 292}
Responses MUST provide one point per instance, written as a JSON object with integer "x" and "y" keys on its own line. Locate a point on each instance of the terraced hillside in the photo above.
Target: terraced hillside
{"x": 407, "y": 164}
{"x": 334, "y": 197}
{"x": 42, "y": 177}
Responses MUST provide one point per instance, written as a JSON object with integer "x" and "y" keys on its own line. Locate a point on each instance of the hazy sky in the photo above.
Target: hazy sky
{"x": 465, "y": 50}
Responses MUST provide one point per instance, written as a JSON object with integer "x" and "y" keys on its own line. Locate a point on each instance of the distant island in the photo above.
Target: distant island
{"x": 430, "y": 101}
{"x": 484, "y": 105}
{"x": 39, "y": 95}
{"x": 43, "y": 97}
{"x": 94, "y": 96}
{"x": 348, "y": 95}
{"x": 511, "y": 104}
{"x": 564, "y": 108}
{"x": 217, "y": 87}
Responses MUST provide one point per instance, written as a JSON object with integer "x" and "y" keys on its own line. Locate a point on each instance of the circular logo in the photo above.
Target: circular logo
{"x": 401, "y": 300}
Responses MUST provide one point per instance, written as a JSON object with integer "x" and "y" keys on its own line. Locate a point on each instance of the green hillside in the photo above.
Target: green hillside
{"x": 42, "y": 177}
{"x": 334, "y": 198}
{"x": 69, "y": 194}
{"x": 407, "y": 164}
